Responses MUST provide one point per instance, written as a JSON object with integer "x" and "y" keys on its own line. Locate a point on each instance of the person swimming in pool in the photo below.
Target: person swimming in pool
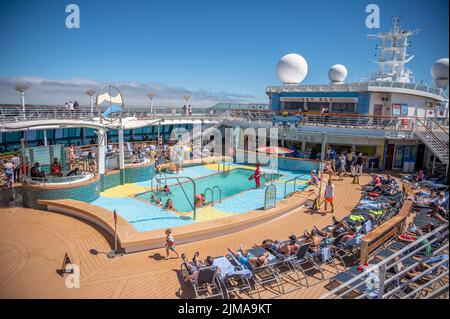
{"x": 167, "y": 189}
{"x": 199, "y": 200}
{"x": 169, "y": 205}
{"x": 153, "y": 199}
{"x": 251, "y": 263}
{"x": 159, "y": 202}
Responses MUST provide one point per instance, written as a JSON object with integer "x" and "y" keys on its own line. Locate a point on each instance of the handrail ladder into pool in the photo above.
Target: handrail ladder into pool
{"x": 192, "y": 204}
{"x": 225, "y": 165}
{"x": 212, "y": 193}
{"x": 220, "y": 193}
{"x": 299, "y": 177}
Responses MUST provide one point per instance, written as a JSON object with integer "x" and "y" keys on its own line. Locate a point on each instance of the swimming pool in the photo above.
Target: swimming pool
{"x": 230, "y": 183}
{"x": 239, "y": 196}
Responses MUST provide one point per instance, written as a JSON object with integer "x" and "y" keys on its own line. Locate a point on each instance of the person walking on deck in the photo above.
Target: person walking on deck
{"x": 329, "y": 195}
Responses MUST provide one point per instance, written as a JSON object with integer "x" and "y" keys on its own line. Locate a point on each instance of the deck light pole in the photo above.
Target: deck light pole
{"x": 151, "y": 95}
{"x": 115, "y": 253}
{"x": 186, "y": 101}
{"x": 91, "y": 94}
{"x": 21, "y": 88}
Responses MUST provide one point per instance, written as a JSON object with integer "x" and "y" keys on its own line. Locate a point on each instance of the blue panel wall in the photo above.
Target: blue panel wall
{"x": 139, "y": 174}
{"x": 363, "y": 103}
{"x": 275, "y": 102}
{"x": 85, "y": 193}
{"x": 111, "y": 181}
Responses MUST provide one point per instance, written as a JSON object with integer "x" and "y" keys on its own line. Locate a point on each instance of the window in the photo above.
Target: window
{"x": 317, "y": 106}
{"x": 293, "y": 105}
{"x": 343, "y": 107}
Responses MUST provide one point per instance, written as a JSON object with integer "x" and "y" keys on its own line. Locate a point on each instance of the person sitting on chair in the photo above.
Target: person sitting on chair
{"x": 55, "y": 168}
{"x": 74, "y": 172}
{"x": 35, "y": 172}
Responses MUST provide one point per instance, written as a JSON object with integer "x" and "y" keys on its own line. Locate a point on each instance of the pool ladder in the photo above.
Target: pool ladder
{"x": 191, "y": 203}
{"x": 212, "y": 194}
{"x": 224, "y": 168}
{"x": 159, "y": 179}
{"x": 299, "y": 177}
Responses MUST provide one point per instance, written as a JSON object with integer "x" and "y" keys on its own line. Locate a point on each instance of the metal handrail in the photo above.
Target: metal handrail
{"x": 62, "y": 179}
{"x": 299, "y": 177}
{"x": 212, "y": 193}
{"x": 224, "y": 166}
{"x": 220, "y": 193}
{"x": 383, "y": 264}
{"x": 192, "y": 204}
{"x": 431, "y": 132}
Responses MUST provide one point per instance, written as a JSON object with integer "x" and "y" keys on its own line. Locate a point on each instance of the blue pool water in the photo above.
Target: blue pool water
{"x": 238, "y": 193}
{"x": 230, "y": 183}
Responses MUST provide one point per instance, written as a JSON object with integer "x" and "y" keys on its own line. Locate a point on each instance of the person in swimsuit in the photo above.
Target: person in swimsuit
{"x": 169, "y": 205}
{"x": 285, "y": 248}
{"x": 192, "y": 267}
{"x": 251, "y": 263}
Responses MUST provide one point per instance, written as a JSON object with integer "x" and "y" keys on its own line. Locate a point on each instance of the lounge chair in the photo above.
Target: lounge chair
{"x": 262, "y": 276}
{"x": 207, "y": 282}
{"x": 233, "y": 277}
{"x": 302, "y": 259}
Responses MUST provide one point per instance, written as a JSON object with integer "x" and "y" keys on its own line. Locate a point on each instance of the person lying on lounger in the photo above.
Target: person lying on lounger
{"x": 194, "y": 266}
{"x": 322, "y": 238}
{"x": 285, "y": 248}
{"x": 251, "y": 263}
{"x": 413, "y": 272}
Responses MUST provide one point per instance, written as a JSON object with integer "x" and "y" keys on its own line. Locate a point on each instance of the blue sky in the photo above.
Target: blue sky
{"x": 231, "y": 47}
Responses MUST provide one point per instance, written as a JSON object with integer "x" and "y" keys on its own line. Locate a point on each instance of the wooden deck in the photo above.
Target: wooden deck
{"x": 33, "y": 243}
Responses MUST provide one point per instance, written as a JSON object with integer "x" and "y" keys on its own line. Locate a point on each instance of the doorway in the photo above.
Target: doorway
{"x": 390, "y": 156}
{"x": 420, "y": 156}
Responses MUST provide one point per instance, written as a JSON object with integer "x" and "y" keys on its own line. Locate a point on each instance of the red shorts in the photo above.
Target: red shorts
{"x": 329, "y": 200}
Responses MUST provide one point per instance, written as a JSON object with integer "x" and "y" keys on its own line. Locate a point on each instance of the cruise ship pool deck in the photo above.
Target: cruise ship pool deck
{"x": 238, "y": 193}
{"x": 33, "y": 243}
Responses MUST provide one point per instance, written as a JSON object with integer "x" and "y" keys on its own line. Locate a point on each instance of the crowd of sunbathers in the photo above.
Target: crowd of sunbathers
{"x": 431, "y": 203}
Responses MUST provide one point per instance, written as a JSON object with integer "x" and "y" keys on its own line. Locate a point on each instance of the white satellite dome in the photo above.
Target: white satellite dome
{"x": 439, "y": 71}
{"x": 292, "y": 68}
{"x": 337, "y": 73}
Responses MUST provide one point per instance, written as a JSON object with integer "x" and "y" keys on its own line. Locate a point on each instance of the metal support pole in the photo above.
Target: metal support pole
{"x": 324, "y": 146}
{"x": 45, "y": 137}
{"x": 92, "y": 107}
{"x": 382, "y": 277}
{"x": 434, "y": 164}
{"x": 22, "y": 96}
{"x": 121, "y": 156}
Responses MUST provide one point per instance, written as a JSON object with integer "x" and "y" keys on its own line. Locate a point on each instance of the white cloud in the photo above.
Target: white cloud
{"x": 56, "y": 92}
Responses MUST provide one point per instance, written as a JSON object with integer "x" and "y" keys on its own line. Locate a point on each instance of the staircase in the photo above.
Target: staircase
{"x": 205, "y": 132}
{"x": 435, "y": 137}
